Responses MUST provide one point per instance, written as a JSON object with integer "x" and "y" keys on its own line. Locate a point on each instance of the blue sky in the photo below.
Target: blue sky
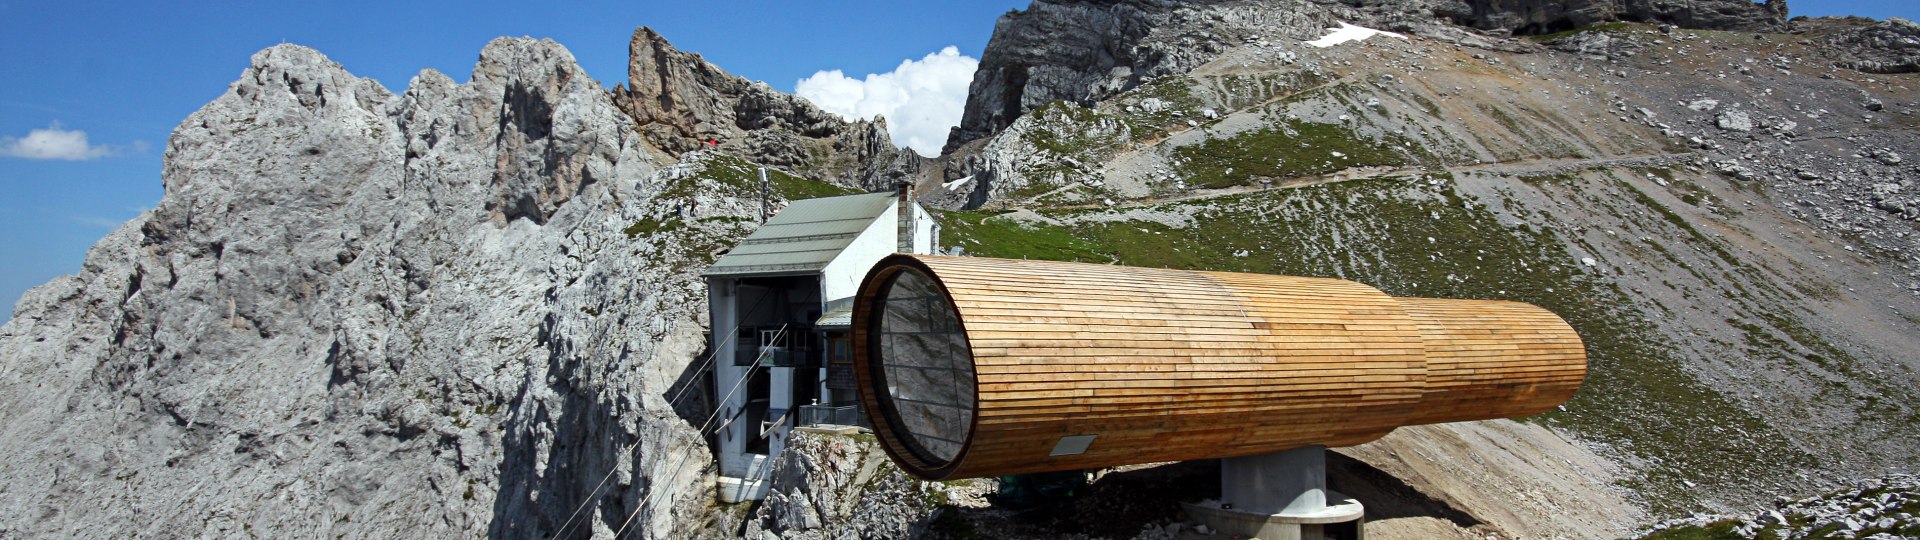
{"x": 125, "y": 74}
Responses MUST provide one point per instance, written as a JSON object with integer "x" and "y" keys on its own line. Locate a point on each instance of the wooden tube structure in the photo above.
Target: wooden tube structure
{"x": 972, "y": 367}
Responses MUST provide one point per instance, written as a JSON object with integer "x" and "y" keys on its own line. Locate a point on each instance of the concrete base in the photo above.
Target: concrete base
{"x": 736, "y": 490}
{"x": 751, "y": 486}
{"x": 1342, "y": 519}
{"x": 1280, "y": 496}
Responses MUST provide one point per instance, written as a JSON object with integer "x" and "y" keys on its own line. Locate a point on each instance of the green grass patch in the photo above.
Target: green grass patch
{"x": 740, "y": 178}
{"x": 650, "y": 227}
{"x": 1070, "y": 136}
{"x": 1176, "y": 93}
{"x": 1290, "y": 149}
{"x": 982, "y": 235}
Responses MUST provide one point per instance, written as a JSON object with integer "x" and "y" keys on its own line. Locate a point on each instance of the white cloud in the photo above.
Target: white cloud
{"x": 921, "y": 99}
{"x": 53, "y": 143}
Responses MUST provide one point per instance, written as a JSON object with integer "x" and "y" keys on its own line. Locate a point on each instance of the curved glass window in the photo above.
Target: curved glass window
{"x": 924, "y": 367}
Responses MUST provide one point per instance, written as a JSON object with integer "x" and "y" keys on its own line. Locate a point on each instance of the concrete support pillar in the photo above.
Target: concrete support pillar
{"x": 1293, "y": 481}
{"x": 1280, "y": 496}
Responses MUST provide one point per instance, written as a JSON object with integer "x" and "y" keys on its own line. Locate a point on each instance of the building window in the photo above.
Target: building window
{"x": 840, "y": 349}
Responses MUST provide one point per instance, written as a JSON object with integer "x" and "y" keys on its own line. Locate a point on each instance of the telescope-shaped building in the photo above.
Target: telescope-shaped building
{"x": 973, "y": 367}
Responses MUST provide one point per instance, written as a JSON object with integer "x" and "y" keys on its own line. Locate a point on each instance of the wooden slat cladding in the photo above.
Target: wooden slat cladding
{"x": 1486, "y": 356}
{"x": 1176, "y": 365}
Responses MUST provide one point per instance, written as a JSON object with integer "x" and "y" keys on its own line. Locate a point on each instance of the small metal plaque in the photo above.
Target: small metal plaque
{"x": 1072, "y": 445}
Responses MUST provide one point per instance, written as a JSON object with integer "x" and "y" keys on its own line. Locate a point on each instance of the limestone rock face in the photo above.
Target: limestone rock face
{"x": 1737, "y": 15}
{"x": 1891, "y": 46}
{"x": 1082, "y": 51}
{"x": 681, "y": 102}
{"x": 355, "y": 313}
{"x": 827, "y": 486}
{"x": 1526, "y": 17}
{"x": 1540, "y": 17}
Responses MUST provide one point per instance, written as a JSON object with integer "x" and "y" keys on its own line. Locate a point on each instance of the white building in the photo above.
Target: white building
{"x": 780, "y": 303}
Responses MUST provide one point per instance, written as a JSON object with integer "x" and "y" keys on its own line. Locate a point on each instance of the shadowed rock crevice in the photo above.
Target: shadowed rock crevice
{"x": 553, "y": 458}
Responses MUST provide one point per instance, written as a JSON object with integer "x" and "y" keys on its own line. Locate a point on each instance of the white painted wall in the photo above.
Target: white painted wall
{"x": 842, "y": 276}
{"x": 926, "y": 232}
{"x": 722, "y": 301}
{"x": 780, "y": 404}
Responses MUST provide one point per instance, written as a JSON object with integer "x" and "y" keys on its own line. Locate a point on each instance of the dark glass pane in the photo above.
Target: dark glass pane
{"x": 927, "y": 367}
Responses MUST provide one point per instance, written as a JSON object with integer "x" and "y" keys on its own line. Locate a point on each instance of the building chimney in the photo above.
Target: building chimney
{"x": 905, "y": 213}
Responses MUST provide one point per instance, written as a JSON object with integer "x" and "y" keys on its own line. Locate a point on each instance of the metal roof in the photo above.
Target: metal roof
{"x": 804, "y": 237}
{"x": 839, "y": 314}
{"x": 838, "y": 318}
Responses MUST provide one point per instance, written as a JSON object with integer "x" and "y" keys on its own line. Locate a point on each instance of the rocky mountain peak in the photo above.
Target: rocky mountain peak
{"x": 1081, "y": 51}
{"x": 372, "y": 310}
{"x": 1890, "y": 46}
{"x": 506, "y": 60}
{"x": 681, "y": 102}
{"x": 533, "y": 80}
{"x": 284, "y": 84}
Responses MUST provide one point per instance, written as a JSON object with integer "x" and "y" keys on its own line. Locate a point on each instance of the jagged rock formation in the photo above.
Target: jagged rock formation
{"x": 682, "y": 103}
{"x": 830, "y": 486}
{"x": 356, "y": 313}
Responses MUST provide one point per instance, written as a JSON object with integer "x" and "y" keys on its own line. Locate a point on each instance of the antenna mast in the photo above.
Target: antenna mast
{"x": 763, "y": 195}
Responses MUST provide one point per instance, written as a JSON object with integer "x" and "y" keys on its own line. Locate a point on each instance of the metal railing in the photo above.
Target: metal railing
{"x": 831, "y": 415}
{"x": 774, "y": 357}
{"x": 778, "y": 346}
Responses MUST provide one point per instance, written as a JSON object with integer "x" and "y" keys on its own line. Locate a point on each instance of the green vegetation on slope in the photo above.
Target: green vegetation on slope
{"x": 742, "y": 177}
{"x": 982, "y": 235}
{"x": 689, "y": 241}
{"x": 1062, "y": 130}
{"x": 1290, "y": 149}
